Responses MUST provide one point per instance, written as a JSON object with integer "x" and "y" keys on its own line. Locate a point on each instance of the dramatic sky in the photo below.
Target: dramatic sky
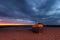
{"x": 43, "y": 11}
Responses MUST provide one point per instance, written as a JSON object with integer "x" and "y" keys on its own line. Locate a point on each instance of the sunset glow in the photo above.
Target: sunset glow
{"x": 12, "y": 24}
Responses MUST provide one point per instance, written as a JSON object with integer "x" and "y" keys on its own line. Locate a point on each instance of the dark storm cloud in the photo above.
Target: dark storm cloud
{"x": 13, "y": 8}
{"x": 46, "y": 7}
{"x": 38, "y": 10}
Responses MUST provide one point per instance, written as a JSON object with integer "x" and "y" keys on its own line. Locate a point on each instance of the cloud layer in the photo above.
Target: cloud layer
{"x": 44, "y": 11}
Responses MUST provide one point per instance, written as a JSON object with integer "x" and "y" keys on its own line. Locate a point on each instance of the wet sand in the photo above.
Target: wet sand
{"x": 50, "y": 33}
